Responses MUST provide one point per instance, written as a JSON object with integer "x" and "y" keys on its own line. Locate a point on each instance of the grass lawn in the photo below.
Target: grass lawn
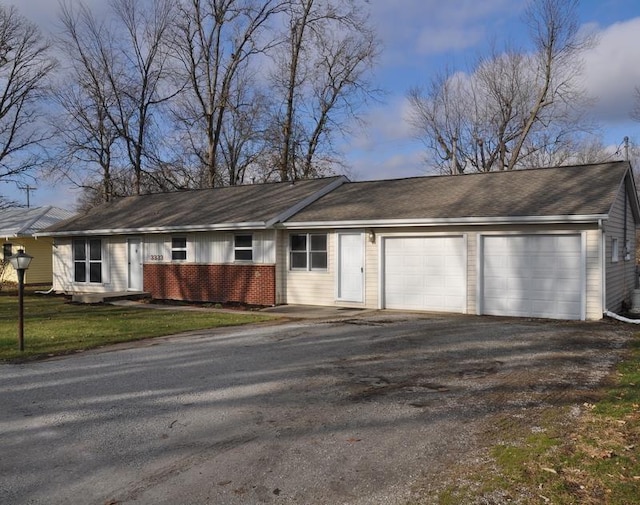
{"x": 52, "y": 325}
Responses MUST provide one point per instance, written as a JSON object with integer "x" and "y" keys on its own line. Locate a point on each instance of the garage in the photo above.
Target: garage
{"x": 425, "y": 273}
{"x": 533, "y": 276}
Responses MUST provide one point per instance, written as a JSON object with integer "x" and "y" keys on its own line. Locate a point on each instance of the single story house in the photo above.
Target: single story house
{"x": 551, "y": 242}
{"x": 204, "y": 245}
{"x": 18, "y": 227}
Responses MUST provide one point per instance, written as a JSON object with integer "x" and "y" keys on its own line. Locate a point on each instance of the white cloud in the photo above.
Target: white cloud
{"x": 45, "y": 12}
{"x": 424, "y": 27}
{"x": 386, "y": 148}
{"x": 385, "y": 123}
{"x": 445, "y": 38}
{"x": 409, "y": 163}
{"x": 611, "y": 70}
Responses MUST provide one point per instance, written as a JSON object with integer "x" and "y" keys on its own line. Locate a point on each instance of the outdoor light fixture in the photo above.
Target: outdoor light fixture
{"x": 20, "y": 262}
{"x": 372, "y": 236}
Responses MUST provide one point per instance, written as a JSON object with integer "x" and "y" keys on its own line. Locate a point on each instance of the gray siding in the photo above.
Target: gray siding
{"x": 620, "y": 274}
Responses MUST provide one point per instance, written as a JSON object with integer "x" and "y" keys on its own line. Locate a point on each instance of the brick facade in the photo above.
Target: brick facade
{"x": 250, "y": 284}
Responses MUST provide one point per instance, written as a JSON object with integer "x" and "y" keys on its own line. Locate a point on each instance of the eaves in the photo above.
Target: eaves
{"x": 457, "y": 221}
{"x": 258, "y": 225}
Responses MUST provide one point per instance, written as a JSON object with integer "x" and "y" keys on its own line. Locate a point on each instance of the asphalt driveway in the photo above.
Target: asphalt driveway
{"x": 367, "y": 410}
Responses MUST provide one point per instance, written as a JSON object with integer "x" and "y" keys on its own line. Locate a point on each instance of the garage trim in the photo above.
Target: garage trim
{"x": 480, "y": 262}
{"x": 382, "y": 261}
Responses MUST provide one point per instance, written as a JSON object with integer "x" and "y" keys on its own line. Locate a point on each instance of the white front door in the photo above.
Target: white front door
{"x": 134, "y": 247}
{"x": 350, "y": 267}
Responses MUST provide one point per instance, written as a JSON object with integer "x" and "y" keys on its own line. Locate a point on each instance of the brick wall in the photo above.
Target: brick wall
{"x": 251, "y": 284}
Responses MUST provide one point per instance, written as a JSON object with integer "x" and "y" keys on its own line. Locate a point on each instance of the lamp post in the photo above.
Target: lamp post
{"x": 20, "y": 262}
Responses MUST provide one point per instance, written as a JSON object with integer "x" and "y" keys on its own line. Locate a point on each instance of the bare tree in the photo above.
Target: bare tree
{"x": 216, "y": 39}
{"x": 86, "y": 137}
{"x": 321, "y": 77}
{"x": 24, "y": 66}
{"x": 574, "y": 150}
{"x": 242, "y": 145}
{"x": 513, "y": 104}
{"x": 114, "y": 90}
{"x": 137, "y": 81}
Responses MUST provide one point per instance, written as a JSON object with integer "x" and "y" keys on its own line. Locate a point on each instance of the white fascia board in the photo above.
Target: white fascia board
{"x": 307, "y": 201}
{"x": 396, "y": 223}
{"x": 260, "y": 225}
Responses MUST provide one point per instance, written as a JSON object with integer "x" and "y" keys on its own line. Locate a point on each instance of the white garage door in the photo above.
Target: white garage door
{"x": 533, "y": 276}
{"x": 425, "y": 273}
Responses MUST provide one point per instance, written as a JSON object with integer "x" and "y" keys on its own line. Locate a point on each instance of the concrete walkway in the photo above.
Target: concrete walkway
{"x": 315, "y": 312}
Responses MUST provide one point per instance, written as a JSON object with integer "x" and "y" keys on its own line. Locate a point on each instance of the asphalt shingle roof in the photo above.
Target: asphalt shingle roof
{"x": 581, "y": 190}
{"x": 561, "y": 191}
{"x": 257, "y": 203}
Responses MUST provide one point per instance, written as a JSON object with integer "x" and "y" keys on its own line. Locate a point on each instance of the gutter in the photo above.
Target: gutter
{"x": 395, "y": 223}
{"x": 259, "y": 225}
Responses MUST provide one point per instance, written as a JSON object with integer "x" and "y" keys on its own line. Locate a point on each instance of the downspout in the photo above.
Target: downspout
{"x": 613, "y": 315}
{"x": 603, "y": 264}
{"x": 626, "y": 249}
{"x": 626, "y": 202}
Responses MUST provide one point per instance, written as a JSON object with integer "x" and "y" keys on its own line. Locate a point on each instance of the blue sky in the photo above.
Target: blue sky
{"x": 421, "y": 37}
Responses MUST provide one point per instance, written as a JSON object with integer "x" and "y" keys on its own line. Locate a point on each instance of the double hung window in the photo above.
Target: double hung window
{"x": 243, "y": 247}
{"x": 87, "y": 260}
{"x": 179, "y": 248}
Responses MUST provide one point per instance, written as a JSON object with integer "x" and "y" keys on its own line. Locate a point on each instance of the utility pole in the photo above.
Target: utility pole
{"x": 28, "y": 189}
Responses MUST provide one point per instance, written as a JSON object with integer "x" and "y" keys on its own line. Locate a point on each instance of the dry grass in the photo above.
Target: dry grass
{"x": 588, "y": 454}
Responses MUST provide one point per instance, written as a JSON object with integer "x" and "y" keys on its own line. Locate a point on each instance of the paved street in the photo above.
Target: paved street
{"x": 367, "y": 410}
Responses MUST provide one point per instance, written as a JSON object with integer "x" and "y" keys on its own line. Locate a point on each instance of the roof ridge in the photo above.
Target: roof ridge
{"x": 234, "y": 186}
{"x": 491, "y": 172}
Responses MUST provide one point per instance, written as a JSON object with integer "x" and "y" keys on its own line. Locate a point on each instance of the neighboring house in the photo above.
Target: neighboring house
{"x": 204, "y": 245}
{"x": 555, "y": 242}
{"x": 18, "y": 227}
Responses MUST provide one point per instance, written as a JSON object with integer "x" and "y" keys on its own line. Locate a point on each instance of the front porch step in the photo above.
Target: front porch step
{"x": 109, "y": 297}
